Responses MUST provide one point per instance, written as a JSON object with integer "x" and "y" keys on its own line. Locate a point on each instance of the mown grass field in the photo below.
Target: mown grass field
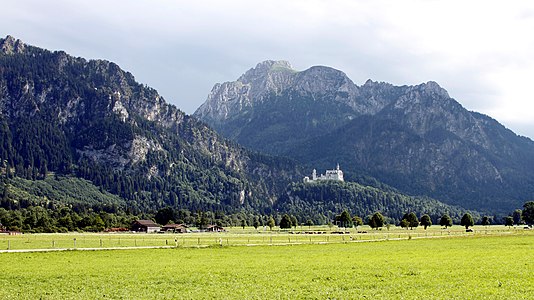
{"x": 480, "y": 266}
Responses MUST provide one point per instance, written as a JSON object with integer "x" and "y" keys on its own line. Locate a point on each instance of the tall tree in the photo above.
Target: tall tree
{"x": 377, "y": 220}
{"x": 486, "y": 221}
{"x": 528, "y": 212}
{"x": 518, "y": 216}
{"x": 467, "y": 221}
{"x": 164, "y": 215}
{"x": 256, "y": 222}
{"x": 285, "y": 222}
{"x": 445, "y": 221}
{"x": 404, "y": 224}
{"x": 357, "y": 221}
{"x": 509, "y": 221}
{"x": 412, "y": 219}
{"x": 344, "y": 219}
{"x": 426, "y": 221}
{"x": 294, "y": 221}
{"x": 271, "y": 223}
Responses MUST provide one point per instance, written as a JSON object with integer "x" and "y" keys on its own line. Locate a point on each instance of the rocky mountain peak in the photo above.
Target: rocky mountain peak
{"x": 11, "y": 45}
{"x": 230, "y": 98}
{"x": 321, "y": 80}
{"x": 269, "y": 75}
{"x": 262, "y": 69}
{"x": 376, "y": 84}
{"x": 433, "y": 88}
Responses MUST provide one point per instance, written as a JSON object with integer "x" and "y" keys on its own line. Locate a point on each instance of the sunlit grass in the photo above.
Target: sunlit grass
{"x": 471, "y": 267}
{"x": 236, "y": 236}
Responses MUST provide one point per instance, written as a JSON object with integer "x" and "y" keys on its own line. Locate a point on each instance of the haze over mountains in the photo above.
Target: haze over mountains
{"x": 414, "y": 138}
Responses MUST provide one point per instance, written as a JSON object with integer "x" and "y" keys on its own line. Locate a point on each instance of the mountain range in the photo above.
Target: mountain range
{"x": 414, "y": 138}
{"x": 85, "y": 135}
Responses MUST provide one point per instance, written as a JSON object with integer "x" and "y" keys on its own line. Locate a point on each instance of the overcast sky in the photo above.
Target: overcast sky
{"x": 481, "y": 52}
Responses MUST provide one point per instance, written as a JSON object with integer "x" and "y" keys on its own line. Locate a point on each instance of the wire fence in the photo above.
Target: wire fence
{"x": 133, "y": 240}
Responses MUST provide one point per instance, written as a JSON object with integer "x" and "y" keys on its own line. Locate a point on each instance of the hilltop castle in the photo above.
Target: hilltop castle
{"x": 336, "y": 174}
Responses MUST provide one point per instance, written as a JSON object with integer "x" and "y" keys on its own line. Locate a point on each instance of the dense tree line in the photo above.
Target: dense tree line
{"x": 40, "y": 214}
{"x": 322, "y": 201}
{"x": 524, "y": 216}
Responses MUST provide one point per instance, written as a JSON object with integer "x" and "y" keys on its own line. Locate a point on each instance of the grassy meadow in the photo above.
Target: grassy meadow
{"x": 235, "y": 236}
{"x": 476, "y": 266}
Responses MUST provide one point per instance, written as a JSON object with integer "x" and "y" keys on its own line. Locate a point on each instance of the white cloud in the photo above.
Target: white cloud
{"x": 482, "y": 52}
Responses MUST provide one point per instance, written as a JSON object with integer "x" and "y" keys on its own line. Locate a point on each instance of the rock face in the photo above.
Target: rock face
{"x": 93, "y": 120}
{"x": 230, "y": 98}
{"x": 10, "y": 45}
{"x": 415, "y": 138}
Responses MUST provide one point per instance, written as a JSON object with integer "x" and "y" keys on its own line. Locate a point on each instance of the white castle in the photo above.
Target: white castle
{"x": 336, "y": 174}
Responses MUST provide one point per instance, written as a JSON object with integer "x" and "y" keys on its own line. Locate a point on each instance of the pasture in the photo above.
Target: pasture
{"x": 480, "y": 265}
{"x": 235, "y": 236}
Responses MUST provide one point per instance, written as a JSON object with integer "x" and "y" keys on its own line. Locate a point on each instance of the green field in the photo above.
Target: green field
{"x": 478, "y": 266}
{"x": 234, "y": 237}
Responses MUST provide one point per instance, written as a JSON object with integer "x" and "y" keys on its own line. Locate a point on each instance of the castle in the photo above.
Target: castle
{"x": 336, "y": 174}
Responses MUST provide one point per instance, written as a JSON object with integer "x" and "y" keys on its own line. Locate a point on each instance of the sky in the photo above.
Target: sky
{"x": 481, "y": 52}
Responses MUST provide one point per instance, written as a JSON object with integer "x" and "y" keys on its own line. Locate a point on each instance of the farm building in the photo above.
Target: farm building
{"x": 174, "y": 228}
{"x": 147, "y": 226}
{"x": 214, "y": 228}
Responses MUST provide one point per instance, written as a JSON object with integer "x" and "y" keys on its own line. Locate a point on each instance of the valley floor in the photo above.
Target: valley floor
{"x": 480, "y": 265}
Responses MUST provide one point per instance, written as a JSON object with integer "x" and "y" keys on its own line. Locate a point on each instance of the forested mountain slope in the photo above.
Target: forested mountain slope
{"x": 92, "y": 120}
